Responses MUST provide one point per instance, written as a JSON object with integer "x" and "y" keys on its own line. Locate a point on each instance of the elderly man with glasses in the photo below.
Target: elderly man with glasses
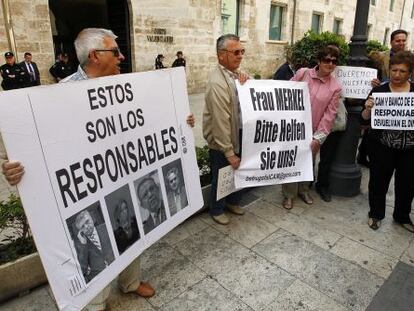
{"x": 221, "y": 122}
{"x": 99, "y": 56}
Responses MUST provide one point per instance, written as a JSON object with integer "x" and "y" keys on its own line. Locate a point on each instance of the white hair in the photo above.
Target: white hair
{"x": 90, "y": 39}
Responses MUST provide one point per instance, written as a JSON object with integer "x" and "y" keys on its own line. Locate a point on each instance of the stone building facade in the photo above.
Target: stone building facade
{"x": 192, "y": 26}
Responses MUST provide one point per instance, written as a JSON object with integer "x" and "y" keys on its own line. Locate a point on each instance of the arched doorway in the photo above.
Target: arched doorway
{"x": 68, "y": 17}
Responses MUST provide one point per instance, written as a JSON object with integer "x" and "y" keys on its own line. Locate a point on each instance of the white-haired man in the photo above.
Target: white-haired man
{"x": 221, "y": 122}
{"x": 92, "y": 245}
{"x": 98, "y": 56}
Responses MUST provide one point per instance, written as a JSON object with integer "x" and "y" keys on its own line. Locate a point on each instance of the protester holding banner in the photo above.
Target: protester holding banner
{"x": 221, "y": 122}
{"x": 99, "y": 56}
{"x": 391, "y": 151}
{"x": 324, "y": 92}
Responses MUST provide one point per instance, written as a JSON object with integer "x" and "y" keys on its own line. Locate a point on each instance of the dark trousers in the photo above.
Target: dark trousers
{"x": 384, "y": 161}
{"x": 363, "y": 146}
{"x": 218, "y": 161}
{"x": 327, "y": 154}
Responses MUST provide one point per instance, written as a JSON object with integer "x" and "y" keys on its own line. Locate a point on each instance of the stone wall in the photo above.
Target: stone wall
{"x": 32, "y": 33}
{"x": 191, "y": 24}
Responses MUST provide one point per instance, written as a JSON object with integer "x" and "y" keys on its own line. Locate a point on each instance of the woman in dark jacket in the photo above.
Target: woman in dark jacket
{"x": 391, "y": 151}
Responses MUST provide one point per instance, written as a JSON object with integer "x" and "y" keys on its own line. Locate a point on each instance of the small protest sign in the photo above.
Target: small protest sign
{"x": 393, "y": 111}
{"x": 225, "y": 182}
{"x": 355, "y": 81}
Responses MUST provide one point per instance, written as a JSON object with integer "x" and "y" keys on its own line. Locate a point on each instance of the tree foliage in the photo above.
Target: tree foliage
{"x": 18, "y": 240}
{"x": 303, "y": 53}
{"x": 375, "y": 45}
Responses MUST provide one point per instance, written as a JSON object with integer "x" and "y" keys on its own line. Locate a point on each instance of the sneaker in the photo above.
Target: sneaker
{"x": 145, "y": 290}
{"x": 374, "y": 223}
{"x": 235, "y": 209}
{"x": 221, "y": 219}
{"x": 324, "y": 193}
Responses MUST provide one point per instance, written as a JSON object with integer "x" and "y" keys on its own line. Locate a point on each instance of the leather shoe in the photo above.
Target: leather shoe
{"x": 374, "y": 223}
{"x": 324, "y": 193}
{"x": 306, "y": 198}
{"x": 221, "y": 219}
{"x": 407, "y": 226}
{"x": 145, "y": 290}
{"x": 287, "y": 203}
{"x": 235, "y": 209}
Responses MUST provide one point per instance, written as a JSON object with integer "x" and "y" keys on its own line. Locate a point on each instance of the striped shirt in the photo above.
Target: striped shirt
{"x": 79, "y": 75}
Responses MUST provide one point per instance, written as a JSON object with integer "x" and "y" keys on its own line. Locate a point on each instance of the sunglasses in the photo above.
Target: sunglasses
{"x": 115, "y": 51}
{"x": 236, "y": 52}
{"x": 328, "y": 60}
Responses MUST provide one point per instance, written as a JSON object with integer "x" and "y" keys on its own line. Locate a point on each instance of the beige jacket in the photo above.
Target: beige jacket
{"x": 385, "y": 65}
{"x": 221, "y": 114}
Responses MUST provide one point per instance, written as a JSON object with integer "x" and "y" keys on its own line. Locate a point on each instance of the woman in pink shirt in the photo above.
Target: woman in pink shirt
{"x": 324, "y": 92}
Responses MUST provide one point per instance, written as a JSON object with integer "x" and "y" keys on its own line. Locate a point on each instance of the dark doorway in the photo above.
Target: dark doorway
{"x": 71, "y": 16}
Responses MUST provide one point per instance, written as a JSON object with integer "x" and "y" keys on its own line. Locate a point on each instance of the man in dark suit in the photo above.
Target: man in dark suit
{"x": 92, "y": 246}
{"x": 150, "y": 198}
{"x": 31, "y": 69}
{"x": 176, "y": 195}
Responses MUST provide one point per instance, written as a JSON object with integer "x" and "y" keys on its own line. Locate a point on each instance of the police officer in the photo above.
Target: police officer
{"x": 14, "y": 76}
{"x": 180, "y": 61}
{"x": 62, "y": 68}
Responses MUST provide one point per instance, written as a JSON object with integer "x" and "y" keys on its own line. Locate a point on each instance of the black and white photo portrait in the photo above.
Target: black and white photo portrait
{"x": 91, "y": 240}
{"x": 123, "y": 219}
{"x": 149, "y": 195}
{"x": 175, "y": 186}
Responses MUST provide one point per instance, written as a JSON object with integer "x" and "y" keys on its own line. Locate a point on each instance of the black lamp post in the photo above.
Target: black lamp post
{"x": 345, "y": 175}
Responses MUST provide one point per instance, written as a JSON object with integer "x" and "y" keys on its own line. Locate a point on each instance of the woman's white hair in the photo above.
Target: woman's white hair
{"x": 90, "y": 39}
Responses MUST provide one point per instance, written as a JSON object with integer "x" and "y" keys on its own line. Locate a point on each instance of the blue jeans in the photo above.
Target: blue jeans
{"x": 218, "y": 161}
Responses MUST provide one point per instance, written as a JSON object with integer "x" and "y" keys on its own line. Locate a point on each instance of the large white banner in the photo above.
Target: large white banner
{"x": 277, "y": 132}
{"x": 110, "y": 168}
{"x": 355, "y": 81}
{"x": 393, "y": 111}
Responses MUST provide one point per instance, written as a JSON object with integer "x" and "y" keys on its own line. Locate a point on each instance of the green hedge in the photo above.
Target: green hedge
{"x": 375, "y": 45}
{"x": 304, "y": 51}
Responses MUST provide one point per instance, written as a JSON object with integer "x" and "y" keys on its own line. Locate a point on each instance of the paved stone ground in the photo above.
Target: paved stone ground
{"x": 320, "y": 257}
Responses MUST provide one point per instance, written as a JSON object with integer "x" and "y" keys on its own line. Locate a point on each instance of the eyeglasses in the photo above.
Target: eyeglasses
{"x": 328, "y": 60}
{"x": 114, "y": 51}
{"x": 236, "y": 52}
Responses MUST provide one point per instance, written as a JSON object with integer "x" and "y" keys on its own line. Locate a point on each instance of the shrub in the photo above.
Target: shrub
{"x": 257, "y": 76}
{"x": 19, "y": 241}
{"x": 305, "y": 50}
{"x": 203, "y": 162}
{"x": 375, "y": 45}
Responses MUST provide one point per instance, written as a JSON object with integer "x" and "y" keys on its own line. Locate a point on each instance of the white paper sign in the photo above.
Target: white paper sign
{"x": 355, "y": 81}
{"x": 393, "y": 111}
{"x": 277, "y": 132}
{"x": 225, "y": 182}
{"x": 110, "y": 168}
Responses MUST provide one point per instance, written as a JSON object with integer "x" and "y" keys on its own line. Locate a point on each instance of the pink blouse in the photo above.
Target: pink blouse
{"x": 324, "y": 96}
